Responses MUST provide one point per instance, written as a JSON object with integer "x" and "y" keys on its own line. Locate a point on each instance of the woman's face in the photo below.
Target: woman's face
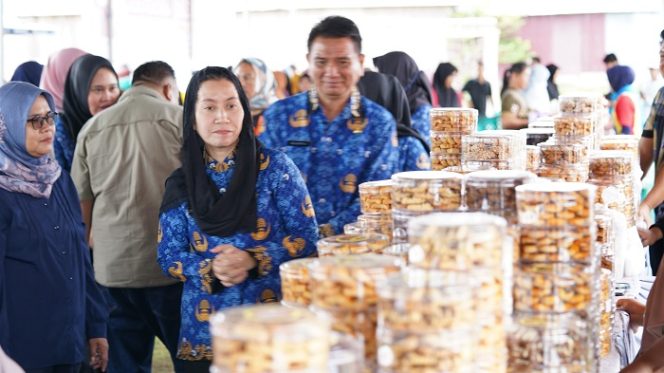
{"x": 104, "y": 91}
{"x": 247, "y": 76}
{"x": 219, "y": 114}
{"x": 450, "y": 79}
{"x": 521, "y": 79}
{"x": 39, "y": 129}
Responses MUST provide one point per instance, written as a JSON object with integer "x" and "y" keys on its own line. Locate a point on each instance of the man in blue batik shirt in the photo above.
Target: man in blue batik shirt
{"x": 337, "y": 138}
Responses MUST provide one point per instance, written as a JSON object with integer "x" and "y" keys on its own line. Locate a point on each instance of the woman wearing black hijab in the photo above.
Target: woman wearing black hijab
{"x": 91, "y": 86}
{"x": 231, "y": 214}
{"x": 442, "y": 84}
{"x": 414, "y": 83}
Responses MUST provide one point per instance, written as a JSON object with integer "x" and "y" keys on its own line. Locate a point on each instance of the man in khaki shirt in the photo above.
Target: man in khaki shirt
{"x": 122, "y": 159}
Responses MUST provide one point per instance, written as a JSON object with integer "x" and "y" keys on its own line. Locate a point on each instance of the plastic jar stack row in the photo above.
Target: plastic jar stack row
{"x": 612, "y": 172}
{"x": 472, "y": 244}
{"x": 494, "y": 192}
{"x": 555, "y": 280}
{"x": 376, "y": 207}
{"x": 563, "y": 161}
{"x": 498, "y": 149}
{"x": 417, "y": 193}
{"x": 535, "y": 136}
{"x": 579, "y": 121}
{"x": 448, "y": 126}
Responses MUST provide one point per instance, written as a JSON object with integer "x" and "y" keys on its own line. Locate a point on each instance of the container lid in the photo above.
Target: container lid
{"x": 548, "y": 130}
{"x": 362, "y": 261}
{"x": 612, "y": 154}
{"x": 455, "y": 219}
{"x": 426, "y": 175}
{"x": 358, "y": 239}
{"x": 440, "y": 110}
{"x": 555, "y": 187}
{"x": 500, "y": 175}
{"x": 297, "y": 264}
{"x": 376, "y": 184}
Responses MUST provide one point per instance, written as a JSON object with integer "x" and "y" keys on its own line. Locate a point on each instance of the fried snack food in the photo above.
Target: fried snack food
{"x": 344, "y": 244}
{"x": 611, "y": 166}
{"x": 453, "y": 120}
{"x": 426, "y": 191}
{"x": 555, "y": 204}
{"x": 376, "y": 196}
{"x": 552, "y": 287}
{"x": 557, "y": 244}
{"x": 563, "y": 154}
{"x": 295, "y": 281}
{"x": 573, "y": 125}
{"x": 579, "y": 104}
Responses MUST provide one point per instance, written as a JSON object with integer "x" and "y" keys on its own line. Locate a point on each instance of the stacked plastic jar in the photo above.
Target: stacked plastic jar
{"x": 417, "y": 193}
{"x": 269, "y": 338}
{"x": 563, "y": 161}
{"x": 579, "y": 121}
{"x": 345, "y": 244}
{"x": 376, "y": 207}
{"x": 499, "y": 149}
{"x": 344, "y": 287}
{"x": 493, "y": 192}
{"x": 425, "y": 322}
{"x": 605, "y": 236}
{"x": 473, "y": 244}
{"x": 296, "y": 282}
{"x": 556, "y": 279}
{"x": 607, "y": 312}
{"x": 533, "y": 158}
{"x": 448, "y": 126}
{"x": 611, "y": 172}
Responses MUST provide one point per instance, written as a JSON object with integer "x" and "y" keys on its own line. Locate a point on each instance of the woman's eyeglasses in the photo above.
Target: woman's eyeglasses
{"x": 38, "y": 122}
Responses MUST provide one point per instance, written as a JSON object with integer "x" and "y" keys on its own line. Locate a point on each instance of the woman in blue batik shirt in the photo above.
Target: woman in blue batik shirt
{"x": 231, "y": 215}
{"x": 416, "y": 85}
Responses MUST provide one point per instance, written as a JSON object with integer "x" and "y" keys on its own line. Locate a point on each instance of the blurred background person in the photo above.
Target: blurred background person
{"x": 551, "y": 85}
{"x": 443, "y": 79}
{"x": 536, "y": 93}
{"x": 479, "y": 90}
{"x": 29, "y": 72}
{"x": 54, "y": 76}
{"x": 625, "y": 115}
{"x": 91, "y": 86}
{"x": 514, "y": 109}
{"x": 259, "y": 84}
{"x": 610, "y": 60}
{"x": 305, "y": 83}
{"x": 416, "y": 86}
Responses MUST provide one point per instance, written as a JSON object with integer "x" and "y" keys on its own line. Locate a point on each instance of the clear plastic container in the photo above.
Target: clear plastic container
{"x": 458, "y": 242}
{"x": 574, "y": 125}
{"x": 579, "y": 104}
{"x": 446, "y": 143}
{"x": 533, "y": 158}
{"x": 296, "y": 282}
{"x": 399, "y": 250}
{"x": 618, "y": 196}
{"x": 400, "y": 225}
{"x": 346, "y": 354}
{"x": 555, "y": 204}
{"x": 494, "y": 192}
{"x": 490, "y": 350}
{"x": 604, "y": 226}
{"x": 353, "y": 228}
{"x": 345, "y": 287}
{"x": 376, "y": 223}
{"x": 577, "y": 173}
{"x": 345, "y": 244}
{"x": 563, "y": 154}
{"x": 376, "y": 196}
{"x": 541, "y": 122}
{"x": 453, "y": 120}
{"x": 611, "y": 166}
{"x": 442, "y": 161}
{"x": 549, "y": 343}
{"x": 553, "y": 287}
{"x": 269, "y": 338}
{"x": 607, "y": 312}
{"x": 536, "y": 136}
{"x": 466, "y": 170}
{"x": 628, "y": 143}
{"x": 492, "y": 165}
{"x": 427, "y": 191}
{"x": 498, "y": 145}
{"x": 557, "y": 244}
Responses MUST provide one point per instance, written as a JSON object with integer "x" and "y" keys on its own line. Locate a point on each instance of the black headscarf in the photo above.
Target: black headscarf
{"x": 77, "y": 88}
{"x": 447, "y": 97}
{"x": 216, "y": 214}
{"x": 414, "y": 81}
{"x": 386, "y": 91}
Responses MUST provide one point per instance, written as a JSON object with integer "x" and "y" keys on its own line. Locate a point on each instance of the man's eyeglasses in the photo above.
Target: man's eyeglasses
{"x": 38, "y": 122}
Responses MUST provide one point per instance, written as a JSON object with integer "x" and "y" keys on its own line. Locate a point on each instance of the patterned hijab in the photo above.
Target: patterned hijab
{"x": 19, "y": 171}
{"x": 265, "y": 85}
{"x": 55, "y": 73}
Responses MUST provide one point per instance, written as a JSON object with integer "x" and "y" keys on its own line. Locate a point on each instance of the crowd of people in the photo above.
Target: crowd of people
{"x": 129, "y": 216}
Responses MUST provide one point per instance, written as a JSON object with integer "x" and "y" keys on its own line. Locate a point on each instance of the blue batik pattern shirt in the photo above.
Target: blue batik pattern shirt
{"x": 412, "y": 155}
{"x": 63, "y": 145}
{"x": 421, "y": 122}
{"x": 286, "y": 229}
{"x": 335, "y": 156}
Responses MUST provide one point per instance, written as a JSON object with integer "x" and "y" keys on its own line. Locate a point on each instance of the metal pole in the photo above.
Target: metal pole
{"x": 2, "y": 44}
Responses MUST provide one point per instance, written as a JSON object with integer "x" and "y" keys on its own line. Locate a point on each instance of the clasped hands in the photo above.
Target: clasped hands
{"x": 231, "y": 265}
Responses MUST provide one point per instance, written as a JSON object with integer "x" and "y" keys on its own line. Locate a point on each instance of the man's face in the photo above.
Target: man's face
{"x": 335, "y": 66}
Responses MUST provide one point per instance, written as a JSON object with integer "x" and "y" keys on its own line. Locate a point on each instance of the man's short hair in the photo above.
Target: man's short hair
{"x": 536, "y": 60}
{"x": 336, "y": 27}
{"x": 661, "y": 35}
{"x": 153, "y": 72}
{"x": 610, "y": 58}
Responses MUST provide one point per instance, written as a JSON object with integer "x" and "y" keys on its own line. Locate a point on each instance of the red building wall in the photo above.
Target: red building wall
{"x": 573, "y": 42}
